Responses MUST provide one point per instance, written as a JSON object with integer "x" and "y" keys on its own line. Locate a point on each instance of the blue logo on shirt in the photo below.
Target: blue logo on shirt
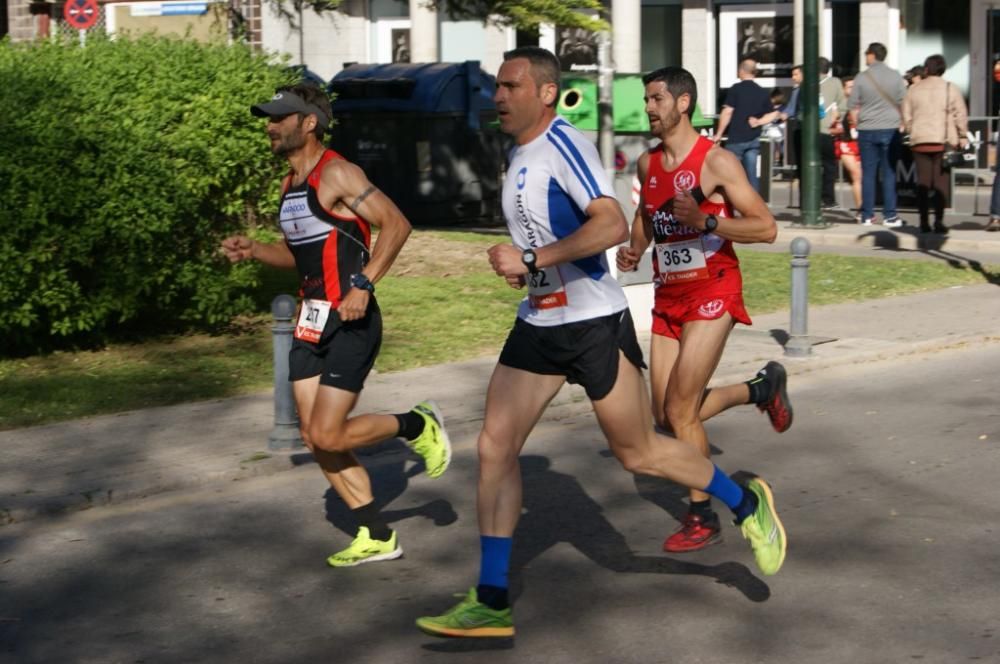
{"x": 521, "y": 177}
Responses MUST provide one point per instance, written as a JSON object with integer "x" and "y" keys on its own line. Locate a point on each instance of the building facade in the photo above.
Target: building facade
{"x": 705, "y": 36}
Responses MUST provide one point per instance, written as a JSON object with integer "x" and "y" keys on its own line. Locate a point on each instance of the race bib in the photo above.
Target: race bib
{"x": 681, "y": 261}
{"x": 312, "y": 320}
{"x": 546, "y": 289}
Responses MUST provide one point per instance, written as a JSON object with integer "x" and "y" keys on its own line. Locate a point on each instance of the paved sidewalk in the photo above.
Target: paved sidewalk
{"x": 109, "y": 459}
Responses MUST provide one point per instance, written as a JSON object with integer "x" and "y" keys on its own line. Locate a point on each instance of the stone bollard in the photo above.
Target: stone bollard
{"x": 798, "y": 344}
{"x": 285, "y": 434}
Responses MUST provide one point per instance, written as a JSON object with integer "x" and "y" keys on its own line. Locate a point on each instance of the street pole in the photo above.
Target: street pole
{"x": 285, "y": 434}
{"x": 798, "y": 344}
{"x": 605, "y": 113}
{"x": 809, "y": 102}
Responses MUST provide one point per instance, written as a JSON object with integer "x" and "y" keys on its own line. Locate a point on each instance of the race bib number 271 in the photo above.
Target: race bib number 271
{"x": 312, "y": 320}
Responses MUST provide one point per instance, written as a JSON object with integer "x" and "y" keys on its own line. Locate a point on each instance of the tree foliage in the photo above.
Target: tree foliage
{"x": 528, "y": 14}
{"x": 122, "y": 164}
{"x": 521, "y": 14}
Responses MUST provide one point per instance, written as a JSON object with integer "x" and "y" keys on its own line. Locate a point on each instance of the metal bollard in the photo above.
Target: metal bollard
{"x": 798, "y": 344}
{"x": 285, "y": 434}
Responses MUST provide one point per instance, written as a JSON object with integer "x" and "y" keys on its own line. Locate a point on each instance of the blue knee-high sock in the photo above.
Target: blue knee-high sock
{"x": 495, "y": 560}
{"x": 740, "y": 501}
{"x": 492, "y": 588}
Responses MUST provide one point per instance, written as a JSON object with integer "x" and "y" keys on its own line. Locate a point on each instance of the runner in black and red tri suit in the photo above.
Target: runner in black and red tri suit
{"x": 327, "y": 209}
{"x": 690, "y": 192}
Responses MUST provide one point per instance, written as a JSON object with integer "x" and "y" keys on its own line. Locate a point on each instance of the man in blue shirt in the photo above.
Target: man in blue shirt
{"x": 747, "y": 108}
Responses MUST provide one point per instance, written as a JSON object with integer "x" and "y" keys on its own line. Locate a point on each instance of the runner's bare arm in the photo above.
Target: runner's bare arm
{"x": 722, "y": 176}
{"x": 344, "y": 183}
{"x": 642, "y": 227}
{"x": 241, "y": 248}
{"x": 604, "y": 228}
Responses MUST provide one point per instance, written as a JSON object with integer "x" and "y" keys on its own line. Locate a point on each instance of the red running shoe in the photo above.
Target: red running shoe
{"x": 695, "y": 534}
{"x": 777, "y": 406}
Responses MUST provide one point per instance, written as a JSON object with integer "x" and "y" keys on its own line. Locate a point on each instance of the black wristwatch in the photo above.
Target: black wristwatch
{"x": 359, "y": 280}
{"x": 530, "y": 258}
{"x": 711, "y": 223}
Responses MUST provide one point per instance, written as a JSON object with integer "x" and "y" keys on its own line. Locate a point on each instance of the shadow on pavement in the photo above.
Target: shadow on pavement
{"x": 557, "y": 509}
{"x": 386, "y": 464}
{"x": 931, "y": 244}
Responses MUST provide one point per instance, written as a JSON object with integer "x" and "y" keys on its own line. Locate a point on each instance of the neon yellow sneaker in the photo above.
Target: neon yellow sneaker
{"x": 469, "y": 618}
{"x": 364, "y": 549}
{"x": 764, "y": 531}
{"x": 433, "y": 444}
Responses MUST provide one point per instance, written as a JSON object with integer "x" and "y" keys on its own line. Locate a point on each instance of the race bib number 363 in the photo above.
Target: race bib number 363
{"x": 681, "y": 261}
{"x": 312, "y": 320}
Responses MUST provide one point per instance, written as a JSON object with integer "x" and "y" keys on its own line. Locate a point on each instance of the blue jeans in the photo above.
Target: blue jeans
{"x": 879, "y": 150}
{"x": 995, "y": 198}
{"x": 747, "y": 153}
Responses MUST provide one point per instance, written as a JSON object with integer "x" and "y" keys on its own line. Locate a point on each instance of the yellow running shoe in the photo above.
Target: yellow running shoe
{"x": 763, "y": 529}
{"x": 364, "y": 549}
{"x": 433, "y": 444}
{"x": 469, "y": 618}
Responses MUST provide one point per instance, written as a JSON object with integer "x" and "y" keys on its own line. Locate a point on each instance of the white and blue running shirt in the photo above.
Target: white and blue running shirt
{"x": 550, "y": 182}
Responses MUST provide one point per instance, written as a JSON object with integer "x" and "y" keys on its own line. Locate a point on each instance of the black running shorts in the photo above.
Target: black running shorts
{"x": 586, "y": 353}
{"x": 345, "y": 354}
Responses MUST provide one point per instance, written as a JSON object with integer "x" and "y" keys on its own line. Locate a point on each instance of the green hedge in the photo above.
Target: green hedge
{"x": 122, "y": 164}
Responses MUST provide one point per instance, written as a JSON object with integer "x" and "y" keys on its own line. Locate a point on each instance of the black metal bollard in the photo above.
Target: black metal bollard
{"x": 285, "y": 434}
{"x": 798, "y": 340}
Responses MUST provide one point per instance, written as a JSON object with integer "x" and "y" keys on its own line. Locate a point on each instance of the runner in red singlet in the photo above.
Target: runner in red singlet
{"x": 689, "y": 195}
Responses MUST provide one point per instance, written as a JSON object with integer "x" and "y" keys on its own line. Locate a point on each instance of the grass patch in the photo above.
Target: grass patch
{"x": 442, "y": 305}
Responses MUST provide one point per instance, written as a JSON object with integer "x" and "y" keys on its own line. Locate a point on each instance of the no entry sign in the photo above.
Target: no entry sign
{"x": 80, "y": 14}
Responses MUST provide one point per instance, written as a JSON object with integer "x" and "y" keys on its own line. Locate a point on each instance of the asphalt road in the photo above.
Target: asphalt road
{"x": 887, "y": 484}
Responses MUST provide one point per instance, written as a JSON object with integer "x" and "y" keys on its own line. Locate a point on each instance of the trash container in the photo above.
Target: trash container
{"x": 422, "y": 133}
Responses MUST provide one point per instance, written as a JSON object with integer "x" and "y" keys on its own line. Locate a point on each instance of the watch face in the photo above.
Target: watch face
{"x": 528, "y": 256}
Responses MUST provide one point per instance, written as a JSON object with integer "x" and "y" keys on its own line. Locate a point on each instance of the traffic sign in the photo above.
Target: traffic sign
{"x": 81, "y": 14}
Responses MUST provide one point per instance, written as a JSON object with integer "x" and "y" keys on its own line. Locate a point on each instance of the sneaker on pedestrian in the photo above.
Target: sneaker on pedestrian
{"x": 778, "y": 407}
{"x": 832, "y": 207}
{"x": 858, "y": 219}
{"x": 940, "y": 228}
{"x": 433, "y": 444}
{"x": 469, "y": 618}
{"x": 893, "y": 222}
{"x": 364, "y": 549}
{"x": 763, "y": 529}
{"x": 869, "y": 221}
{"x": 696, "y": 533}
{"x": 994, "y": 225}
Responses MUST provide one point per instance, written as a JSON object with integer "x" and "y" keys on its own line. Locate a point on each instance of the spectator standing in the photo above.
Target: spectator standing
{"x": 994, "y": 224}
{"x": 935, "y": 117}
{"x": 914, "y": 75}
{"x": 845, "y": 147}
{"x": 833, "y": 104}
{"x": 875, "y": 105}
{"x": 790, "y": 114}
{"x": 776, "y": 130}
{"x": 747, "y": 108}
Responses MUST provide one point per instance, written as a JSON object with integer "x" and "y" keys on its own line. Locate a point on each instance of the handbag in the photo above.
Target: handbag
{"x": 957, "y": 157}
{"x": 954, "y": 156}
